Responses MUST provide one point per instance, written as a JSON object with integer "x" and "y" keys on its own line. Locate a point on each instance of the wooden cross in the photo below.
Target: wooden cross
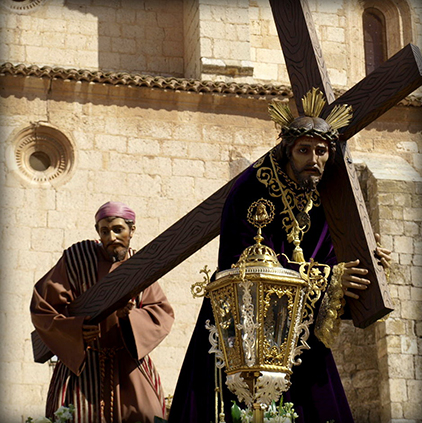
{"x": 342, "y": 198}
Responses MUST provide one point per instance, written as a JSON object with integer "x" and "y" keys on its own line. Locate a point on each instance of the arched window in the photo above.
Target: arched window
{"x": 374, "y": 36}
{"x": 387, "y": 28}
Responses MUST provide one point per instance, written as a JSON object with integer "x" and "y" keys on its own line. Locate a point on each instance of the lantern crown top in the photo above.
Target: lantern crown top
{"x": 258, "y": 255}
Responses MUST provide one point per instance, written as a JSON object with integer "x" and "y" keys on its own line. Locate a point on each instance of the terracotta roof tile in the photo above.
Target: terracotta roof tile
{"x": 167, "y": 83}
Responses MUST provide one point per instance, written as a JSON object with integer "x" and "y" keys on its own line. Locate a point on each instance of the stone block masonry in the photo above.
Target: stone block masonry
{"x": 163, "y": 146}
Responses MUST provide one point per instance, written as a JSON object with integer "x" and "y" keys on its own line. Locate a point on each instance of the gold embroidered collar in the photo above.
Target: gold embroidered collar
{"x": 297, "y": 202}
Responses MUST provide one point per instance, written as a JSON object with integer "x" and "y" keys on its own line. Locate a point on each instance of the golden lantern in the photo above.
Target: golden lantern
{"x": 262, "y": 314}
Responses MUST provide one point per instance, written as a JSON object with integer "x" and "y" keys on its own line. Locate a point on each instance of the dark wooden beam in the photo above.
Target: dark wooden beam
{"x": 301, "y": 49}
{"x": 382, "y": 89}
{"x": 341, "y": 196}
{"x": 352, "y": 235}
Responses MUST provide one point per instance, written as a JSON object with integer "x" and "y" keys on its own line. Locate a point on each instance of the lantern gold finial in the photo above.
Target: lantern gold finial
{"x": 260, "y": 214}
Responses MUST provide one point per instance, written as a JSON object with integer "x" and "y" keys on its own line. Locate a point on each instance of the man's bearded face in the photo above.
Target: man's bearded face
{"x": 115, "y": 235}
{"x": 306, "y": 165}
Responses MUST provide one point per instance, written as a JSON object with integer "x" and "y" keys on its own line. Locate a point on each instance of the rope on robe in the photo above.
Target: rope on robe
{"x": 107, "y": 354}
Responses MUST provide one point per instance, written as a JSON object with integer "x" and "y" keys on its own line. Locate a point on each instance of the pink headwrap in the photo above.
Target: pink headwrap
{"x": 116, "y": 209}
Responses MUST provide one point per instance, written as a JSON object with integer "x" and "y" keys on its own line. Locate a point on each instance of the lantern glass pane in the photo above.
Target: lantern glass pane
{"x": 277, "y": 321}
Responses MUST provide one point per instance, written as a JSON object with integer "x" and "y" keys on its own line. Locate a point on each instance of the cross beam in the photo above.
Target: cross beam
{"x": 341, "y": 196}
{"x": 370, "y": 98}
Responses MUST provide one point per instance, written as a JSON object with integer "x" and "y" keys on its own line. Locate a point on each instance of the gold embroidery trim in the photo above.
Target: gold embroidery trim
{"x": 269, "y": 177}
{"x": 327, "y": 325}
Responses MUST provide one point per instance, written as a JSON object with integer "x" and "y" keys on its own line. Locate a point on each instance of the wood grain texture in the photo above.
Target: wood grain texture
{"x": 342, "y": 197}
{"x": 176, "y": 244}
{"x": 352, "y": 236}
{"x": 382, "y": 89}
{"x": 301, "y": 49}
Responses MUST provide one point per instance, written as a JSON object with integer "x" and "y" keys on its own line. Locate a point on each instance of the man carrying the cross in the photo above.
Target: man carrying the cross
{"x": 104, "y": 370}
{"x": 287, "y": 176}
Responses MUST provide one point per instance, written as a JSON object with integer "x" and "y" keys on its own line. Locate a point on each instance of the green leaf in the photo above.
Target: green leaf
{"x": 235, "y": 413}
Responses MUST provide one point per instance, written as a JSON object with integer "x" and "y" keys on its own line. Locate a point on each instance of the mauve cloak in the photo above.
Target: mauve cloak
{"x": 135, "y": 337}
{"x": 316, "y": 392}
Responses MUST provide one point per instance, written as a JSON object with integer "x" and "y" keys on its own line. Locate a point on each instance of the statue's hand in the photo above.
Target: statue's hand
{"x": 383, "y": 254}
{"x": 351, "y": 279}
{"x": 124, "y": 311}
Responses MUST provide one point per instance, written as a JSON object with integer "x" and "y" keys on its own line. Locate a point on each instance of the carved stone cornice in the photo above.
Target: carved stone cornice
{"x": 164, "y": 83}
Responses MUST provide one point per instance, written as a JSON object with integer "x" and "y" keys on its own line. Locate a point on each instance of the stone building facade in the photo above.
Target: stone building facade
{"x": 158, "y": 103}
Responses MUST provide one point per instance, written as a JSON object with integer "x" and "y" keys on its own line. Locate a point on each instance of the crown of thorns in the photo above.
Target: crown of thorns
{"x": 313, "y": 102}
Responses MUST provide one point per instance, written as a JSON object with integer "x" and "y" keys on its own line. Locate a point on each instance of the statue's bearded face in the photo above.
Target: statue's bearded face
{"x": 307, "y": 161}
{"x": 115, "y": 235}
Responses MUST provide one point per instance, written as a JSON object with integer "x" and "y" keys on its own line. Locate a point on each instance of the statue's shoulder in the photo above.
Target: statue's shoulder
{"x": 85, "y": 248}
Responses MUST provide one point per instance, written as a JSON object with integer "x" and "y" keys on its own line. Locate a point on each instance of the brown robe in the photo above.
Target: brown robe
{"x": 113, "y": 370}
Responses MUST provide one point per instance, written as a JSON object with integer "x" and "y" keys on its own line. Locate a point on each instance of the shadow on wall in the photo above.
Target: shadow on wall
{"x": 138, "y": 36}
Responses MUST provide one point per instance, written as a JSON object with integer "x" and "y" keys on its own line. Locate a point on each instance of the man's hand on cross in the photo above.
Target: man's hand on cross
{"x": 123, "y": 312}
{"x": 383, "y": 254}
{"x": 351, "y": 278}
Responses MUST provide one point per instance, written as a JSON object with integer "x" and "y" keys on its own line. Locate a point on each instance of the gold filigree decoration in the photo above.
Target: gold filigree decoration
{"x": 300, "y": 197}
{"x": 198, "y": 288}
{"x": 317, "y": 276}
{"x": 297, "y": 204}
{"x": 295, "y": 225}
{"x": 276, "y": 181}
{"x": 327, "y": 326}
{"x": 259, "y": 162}
{"x": 261, "y": 213}
{"x": 258, "y": 254}
{"x": 223, "y": 300}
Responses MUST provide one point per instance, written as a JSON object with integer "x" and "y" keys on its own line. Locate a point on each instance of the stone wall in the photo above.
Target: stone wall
{"x": 380, "y": 366}
{"x": 163, "y": 162}
{"x": 202, "y": 39}
{"x": 163, "y": 150}
{"x": 127, "y": 36}
{"x": 396, "y": 188}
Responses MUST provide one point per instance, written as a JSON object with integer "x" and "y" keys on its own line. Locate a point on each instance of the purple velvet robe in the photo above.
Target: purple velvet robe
{"x": 316, "y": 392}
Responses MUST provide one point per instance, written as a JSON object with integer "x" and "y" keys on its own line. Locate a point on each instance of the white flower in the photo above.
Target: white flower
{"x": 246, "y": 416}
{"x": 64, "y": 414}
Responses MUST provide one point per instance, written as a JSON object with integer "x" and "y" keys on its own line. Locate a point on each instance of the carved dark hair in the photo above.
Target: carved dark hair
{"x": 314, "y": 127}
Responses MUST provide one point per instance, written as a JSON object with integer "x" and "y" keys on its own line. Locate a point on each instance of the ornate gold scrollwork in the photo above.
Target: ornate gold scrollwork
{"x": 198, "y": 288}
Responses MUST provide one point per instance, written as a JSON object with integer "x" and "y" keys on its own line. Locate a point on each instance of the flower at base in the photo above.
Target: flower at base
{"x": 41, "y": 420}
{"x": 64, "y": 414}
{"x": 283, "y": 413}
